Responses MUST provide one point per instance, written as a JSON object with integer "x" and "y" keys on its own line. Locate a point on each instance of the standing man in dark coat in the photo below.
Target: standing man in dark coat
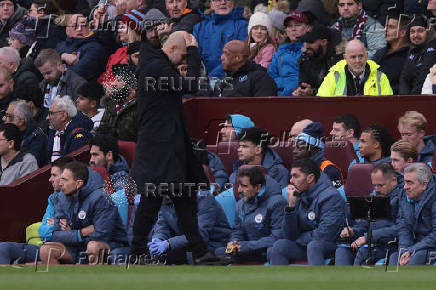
{"x": 164, "y": 162}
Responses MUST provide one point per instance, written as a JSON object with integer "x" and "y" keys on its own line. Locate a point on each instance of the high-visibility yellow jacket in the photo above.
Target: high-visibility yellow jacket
{"x": 334, "y": 84}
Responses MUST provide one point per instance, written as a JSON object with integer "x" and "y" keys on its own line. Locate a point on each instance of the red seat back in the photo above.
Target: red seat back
{"x": 284, "y": 149}
{"x": 127, "y": 149}
{"x": 340, "y": 153}
{"x": 228, "y": 153}
{"x": 359, "y": 180}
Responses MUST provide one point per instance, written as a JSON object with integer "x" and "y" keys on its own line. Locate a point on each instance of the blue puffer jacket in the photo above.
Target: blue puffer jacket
{"x": 217, "y": 167}
{"x": 119, "y": 172}
{"x": 92, "y": 56}
{"x": 212, "y": 223}
{"x": 319, "y": 215}
{"x": 213, "y": 32}
{"x": 284, "y": 67}
{"x": 418, "y": 221}
{"x": 273, "y": 165}
{"x": 258, "y": 221}
{"x": 383, "y": 230}
{"x": 35, "y": 142}
{"x": 75, "y": 136}
{"x": 91, "y": 206}
{"x": 426, "y": 154}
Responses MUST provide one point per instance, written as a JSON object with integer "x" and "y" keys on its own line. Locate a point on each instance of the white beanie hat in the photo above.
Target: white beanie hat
{"x": 260, "y": 18}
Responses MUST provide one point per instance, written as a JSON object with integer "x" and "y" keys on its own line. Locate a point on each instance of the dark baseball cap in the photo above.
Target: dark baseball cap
{"x": 318, "y": 32}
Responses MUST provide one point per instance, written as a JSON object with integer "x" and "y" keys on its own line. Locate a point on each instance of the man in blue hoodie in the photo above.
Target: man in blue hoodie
{"x": 284, "y": 66}
{"x": 253, "y": 150}
{"x": 417, "y": 233}
{"x": 233, "y": 127}
{"x": 258, "y": 218}
{"x": 69, "y": 129}
{"x": 105, "y": 153}
{"x": 384, "y": 180}
{"x": 412, "y": 126}
{"x": 12, "y": 252}
{"x": 168, "y": 236}
{"x": 313, "y": 218}
{"x": 85, "y": 219}
{"x": 225, "y": 23}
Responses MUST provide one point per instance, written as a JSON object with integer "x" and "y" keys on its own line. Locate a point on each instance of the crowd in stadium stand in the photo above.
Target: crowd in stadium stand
{"x": 72, "y": 73}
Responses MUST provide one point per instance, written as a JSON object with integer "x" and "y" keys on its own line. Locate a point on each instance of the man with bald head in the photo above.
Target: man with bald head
{"x": 298, "y": 128}
{"x": 355, "y": 75}
{"x": 81, "y": 51}
{"x": 244, "y": 78}
{"x": 164, "y": 163}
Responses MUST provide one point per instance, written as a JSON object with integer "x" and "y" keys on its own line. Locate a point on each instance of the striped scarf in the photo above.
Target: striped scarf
{"x": 358, "y": 27}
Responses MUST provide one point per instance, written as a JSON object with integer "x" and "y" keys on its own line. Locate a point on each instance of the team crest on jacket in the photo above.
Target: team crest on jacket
{"x": 311, "y": 216}
{"x": 243, "y": 78}
{"x": 258, "y": 218}
{"x": 81, "y": 215}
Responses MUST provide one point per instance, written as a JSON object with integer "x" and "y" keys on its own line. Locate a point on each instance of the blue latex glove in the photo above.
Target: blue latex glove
{"x": 158, "y": 248}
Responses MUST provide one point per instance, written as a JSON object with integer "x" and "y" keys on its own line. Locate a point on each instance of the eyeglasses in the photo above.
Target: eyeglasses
{"x": 51, "y": 113}
{"x": 222, "y": 1}
{"x": 4, "y": 140}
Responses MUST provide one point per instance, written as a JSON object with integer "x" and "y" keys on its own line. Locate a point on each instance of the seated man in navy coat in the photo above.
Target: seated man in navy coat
{"x": 258, "y": 217}
{"x": 85, "y": 220}
{"x": 313, "y": 218}
{"x": 417, "y": 234}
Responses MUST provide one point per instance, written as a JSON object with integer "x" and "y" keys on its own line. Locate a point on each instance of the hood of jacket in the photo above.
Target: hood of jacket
{"x": 119, "y": 165}
{"x": 95, "y": 182}
{"x": 26, "y": 64}
{"x": 236, "y": 14}
{"x": 271, "y": 158}
{"x": 79, "y": 121}
{"x": 290, "y": 46}
{"x": 340, "y": 66}
{"x": 430, "y": 145}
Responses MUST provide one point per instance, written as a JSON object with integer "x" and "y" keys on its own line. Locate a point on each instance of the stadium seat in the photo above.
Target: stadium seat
{"x": 228, "y": 153}
{"x": 127, "y": 149}
{"x": 340, "y": 153}
{"x": 284, "y": 149}
{"x": 359, "y": 180}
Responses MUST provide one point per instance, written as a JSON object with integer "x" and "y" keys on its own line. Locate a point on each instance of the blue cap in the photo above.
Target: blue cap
{"x": 240, "y": 122}
{"x": 312, "y": 135}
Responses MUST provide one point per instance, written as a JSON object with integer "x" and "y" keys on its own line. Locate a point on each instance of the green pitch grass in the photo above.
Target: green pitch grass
{"x": 210, "y": 278}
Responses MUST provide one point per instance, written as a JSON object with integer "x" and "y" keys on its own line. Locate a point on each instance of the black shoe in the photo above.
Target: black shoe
{"x": 209, "y": 259}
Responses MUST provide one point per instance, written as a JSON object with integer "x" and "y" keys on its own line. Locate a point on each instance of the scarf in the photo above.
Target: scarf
{"x": 358, "y": 27}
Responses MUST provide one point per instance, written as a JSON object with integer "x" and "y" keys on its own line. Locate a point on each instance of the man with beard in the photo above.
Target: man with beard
{"x": 355, "y": 75}
{"x": 57, "y": 79}
{"x": 421, "y": 56}
{"x": 120, "y": 118}
{"x": 320, "y": 55}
